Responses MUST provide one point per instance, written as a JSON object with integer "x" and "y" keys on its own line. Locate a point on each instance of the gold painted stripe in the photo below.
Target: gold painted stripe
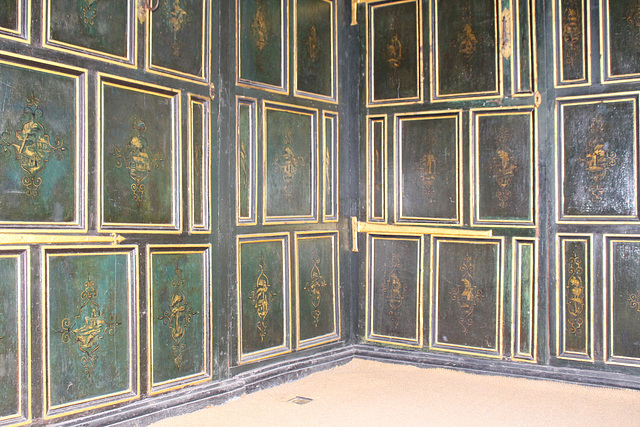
{"x": 36, "y": 239}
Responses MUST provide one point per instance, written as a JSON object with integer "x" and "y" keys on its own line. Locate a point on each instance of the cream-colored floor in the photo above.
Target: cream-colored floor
{"x": 365, "y": 393}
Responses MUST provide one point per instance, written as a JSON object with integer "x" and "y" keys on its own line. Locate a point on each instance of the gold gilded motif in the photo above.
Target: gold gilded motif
{"x": 289, "y": 164}
{"x": 138, "y": 159}
{"x": 260, "y": 32}
{"x": 314, "y": 287}
{"x": 575, "y": 291}
{"x": 467, "y": 39}
{"x": 32, "y": 146}
{"x": 88, "y": 12}
{"x": 179, "y": 315}
{"x": 261, "y": 297}
{"x": 466, "y": 294}
{"x": 395, "y": 291}
{"x": 598, "y": 159}
{"x": 88, "y": 327}
{"x": 311, "y": 41}
{"x": 634, "y": 301}
{"x": 572, "y": 31}
{"x": 503, "y": 167}
{"x": 175, "y": 18}
{"x": 428, "y": 173}
{"x": 633, "y": 15}
{"x": 244, "y": 168}
{"x": 394, "y": 53}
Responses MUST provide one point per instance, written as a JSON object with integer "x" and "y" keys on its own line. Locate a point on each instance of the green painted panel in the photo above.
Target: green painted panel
{"x": 395, "y": 286}
{"x": 9, "y": 14}
{"x": 245, "y": 152}
{"x": 377, "y": 193}
{"x": 198, "y": 151}
{"x": 467, "y": 47}
{"x": 314, "y": 47}
{"x": 330, "y": 168}
{"x": 137, "y": 156}
{"x": 98, "y": 25}
{"x": 526, "y": 42}
{"x": 39, "y": 144}
{"x": 599, "y": 158}
{"x": 178, "y": 31}
{"x": 468, "y": 289}
{"x": 526, "y": 301}
{"x": 178, "y": 315}
{"x": 261, "y": 41}
{"x": 316, "y": 287}
{"x": 89, "y": 324}
{"x": 395, "y": 52}
{"x": 9, "y": 338}
{"x": 624, "y": 36}
{"x": 576, "y": 296}
{"x": 262, "y": 295}
{"x": 625, "y": 295}
{"x": 572, "y": 15}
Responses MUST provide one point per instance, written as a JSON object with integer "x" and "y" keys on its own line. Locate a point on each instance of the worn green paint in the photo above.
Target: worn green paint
{"x": 329, "y": 165}
{"x": 198, "y": 153}
{"x": 9, "y": 343}
{"x": 523, "y": 54}
{"x": 526, "y": 301}
{"x": 576, "y": 305}
{"x": 624, "y": 290}
{"x": 572, "y": 19}
{"x": 246, "y": 146}
{"x": 624, "y": 36}
{"x": 314, "y": 43}
{"x": 9, "y": 15}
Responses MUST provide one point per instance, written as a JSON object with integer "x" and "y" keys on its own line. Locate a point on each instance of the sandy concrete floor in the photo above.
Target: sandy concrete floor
{"x": 365, "y": 393}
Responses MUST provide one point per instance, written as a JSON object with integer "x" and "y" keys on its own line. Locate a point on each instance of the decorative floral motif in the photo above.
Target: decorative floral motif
{"x": 88, "y": 12}
{"x": 428, "y": 173}
{"x": 575, "y": 294}
{"x": 175, "y": 19}
{"x": 395, "y": 291}
{"x": 634, "y": 301}
{"x": 467, "y": 39}
{"x": 572, "y": 31}
{"x": 289, "y": 164}
{"x": 260, "y": 32}
{"x": 466, "y": 294}
{"x": 598, "y": 159}
{"x": 314, "y": 287}
{"x": 503, "y": 167}
{"x": 394, "y": 52}
{"x": 633, "y": 15}
{"x": 261, "y": 297}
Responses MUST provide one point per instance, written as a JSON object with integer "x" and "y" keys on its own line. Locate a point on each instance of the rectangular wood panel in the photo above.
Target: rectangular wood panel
{"x": 15, "y": 21}
{"x": 572, "y": 42}
{"x": 620, "y": 37}
{"x": 330, "y": 169}
{"x": 246, "y": 160}
{"x": 377, "y": 168}
{"x": 200, "y": 142}
{"x": 525, "y": 300}
{"x": 524, "y": 62}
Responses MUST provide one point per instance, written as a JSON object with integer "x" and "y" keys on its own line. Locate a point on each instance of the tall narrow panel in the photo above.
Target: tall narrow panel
{"x": 246, "y": 163}
{"x": 43, "y": 139}
{"x": 394, "y": 46}
{"x": 291, "y": 163}
{"x": 330, "y": 161}
{"x": 620, "y": 25}
{"x": 376, "y": 168}
{"x": 139, "y": 157}
{"x": 394, "y": 290}
{"x": 178, "y": 306}
{"x": 264, "y": 312}
{"x": 466, "y": 59}
{"x": 427, "y": 167}
{"x": 598, "y": 161}
{"x": 199, "y": 165}
{"x": 525, "y": 300}
{"x": 102, "y": 29}
{"x": 261, "y": 44}
{"x": 315, "y": 55}
{"x": 91, "y": 330}
{"x": 317, "y": 288}
{"x": 572, "y": 42}
{"x": 466, "y": 312}
{"x": 524, "y": 68}
{"x": 178, "y": 39}
{"x": 15, "y": 19}
{"x": 574, "y": 298}
{"x": 504, "y": 155}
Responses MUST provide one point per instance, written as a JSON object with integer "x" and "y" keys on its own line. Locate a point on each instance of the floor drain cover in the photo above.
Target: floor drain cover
{"x": 300, "y": 400}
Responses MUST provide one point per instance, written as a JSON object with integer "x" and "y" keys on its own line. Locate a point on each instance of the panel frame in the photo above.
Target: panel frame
{"x": 334, "y": 149}
{"x": 203, "y": 227}
{"x": 516, "y": 315}
{"x": 558, "y": 79}
{"x": 605, "y": 56}
{"x": 23, "y": 33}
{"x": 517, "y": 92}
{"x": 370, "y": 169}
{"x": 252, "y": 191}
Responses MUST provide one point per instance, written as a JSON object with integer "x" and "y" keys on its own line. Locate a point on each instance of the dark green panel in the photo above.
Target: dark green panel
{"x": 245, "y": 150}
{"x": 198, "y": 151}
{"x": 316, "y": 287}
{"x": 625, "y": 296}
{"x": 576, "y": 296}
{"x": 261, "y": 42}
{"x": 330, "y": 168}
{"x": 98, "y": 25}
{"x": 599, "y": 158}
{"x": 572, "y": 40}
{"x": 9, "y": 337}
{"x": 395, "y": 287}
{"x": 38, "y": 122}
{"x": 524, "y": 52}
{"x": 468, "y": 289}
{"x": 177, "y": 29}
{"x": 467, "y": 47}
{"x": 624, "y": 36}
{"x": 262, "y": 295}
{"x": 137, "y": 156}
{"x": 377, "y": 185}
{"x": 505, "y": 167}
{"x": 89, "y": 321}
{"x": 526, "y": 296}
{"x": 9, "y": 14}
{"x": 290, "y": 163}
{"x": 429, "y": 168}
{"x": 178, "y": 315}
{"x": 314, "y": 37}
{"x": 395, "y": 46}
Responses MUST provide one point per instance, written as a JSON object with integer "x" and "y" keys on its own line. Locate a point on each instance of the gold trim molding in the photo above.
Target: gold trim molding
{"x": 43, "y": 239}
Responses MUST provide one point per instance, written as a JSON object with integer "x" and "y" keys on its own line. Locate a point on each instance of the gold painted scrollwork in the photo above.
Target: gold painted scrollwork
{"x": 260, "y": 32}
{"x": 88, "y": 11}
{"x": 598, "y": 159}
{"x": 176, "y": 18}
{"x": 575, "y": 294}
{"x": 244, "y": 167}
{"x": 634, "y": 301}
{"x": 289, "y": 163}
{"x": 466, "y": 294}
{"x": 394, "y": 52}
{"x": 428, "y": 173}
{"x": 467, "y": 39}
{"x": 572, "y": 30}
{"x": 503, "y": 167}
{"x": 395, "y": 291}
{"x": 633, "y": 15}
{"x": 261, "y": 297}
{"x": 314, "y": 287}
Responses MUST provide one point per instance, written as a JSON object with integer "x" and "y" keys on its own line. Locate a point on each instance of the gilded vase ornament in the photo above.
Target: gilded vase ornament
{"x": 393, "y": 53}
{"x": 314, "y": 287}
{"x": 466, "y": 294}
{"x": 598, "y": 159}
{"x": 634, "y": 301}
{"x": 88, "y": 11}
{"x": 503, "y": 167}
{"x": 179, "y": 315}
{"x": 288, "y": 163}
{"x": 175, "y": 18}
{"x": 572, "y": 31}
{"x": 260, "y": 32}
{"x": 261, "y": 297}
{"x": 88, "y": 327}
{"x": 138, "y": 159}
{"x": 575, "y": 294}
{"x": 395, "y": 291}
{"x": 32, "y": 146}
{"x": 428, "y": 173}
{"x": 467, "y": 40}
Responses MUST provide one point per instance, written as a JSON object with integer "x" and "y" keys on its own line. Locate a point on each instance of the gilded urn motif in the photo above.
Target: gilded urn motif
{"x": 175, "y": 18}
{"x": 395, "y": 291}
{"x": 598, "y": 159}
{"x": 261, "y": 298}
{"x": 288, "y": 163}
{"x": 314, "y": 287}
{"x": 466, "y": 294}
{"x": 575, "y": 294}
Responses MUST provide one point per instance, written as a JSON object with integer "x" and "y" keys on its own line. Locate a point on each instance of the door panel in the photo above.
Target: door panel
{"x": 525, "y": 300}
{"x": 572, "y": 44}
{"x": 620, "y": 23}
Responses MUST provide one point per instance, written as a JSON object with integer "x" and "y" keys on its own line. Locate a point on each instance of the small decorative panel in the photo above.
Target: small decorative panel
{"x": 525, "y": 300}
{"x": 291, "y": 164}
{"x": 466, "y": 57}
{"x": 199, "y": 165}
{"x": 179, "y": 315}
{"x": 574, "y": 298}
{"x": 90, "y": 333}
{"x": 598, "y": 159}
{"x": 246, "y": 163}
{"x": 394, "y": 58}
{"x": 102, "y": 29}
{"x": 377, "y": 168}
{"x": 572, "y": 42}
{"x": 620, "y": 24}
{"x": 427, "y": 167}
{"x": 466, "y": 315}
{"x": 15, "y": 19}
{"x": 524, "y": 69}
{"x": 14, "y": 329}
{"x": 139, "y": 163}
{"x": 394, "y": 290}
{"x": 504, "y": 155}
{"x": 317, "y": 288}
{"x": 43, "y": 139}
{"x": 264, "y": 311}
{"x": 315, "y": 55}
{"x": 178, "y": 39}
{"x": 330, "y": 160}
{"x": 261, "y": 44}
